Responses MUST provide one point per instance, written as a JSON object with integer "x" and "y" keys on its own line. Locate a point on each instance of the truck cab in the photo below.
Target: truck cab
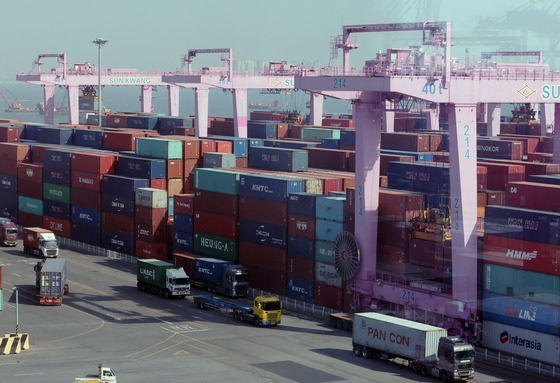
{"x": 177, "y": 282}
{"x": 8, "y": 232}
{"x": 457, "y": 356}
{"x": 48, "y": 245}
{"x": 236, "y": 280}
{"x": 268, "y": 310}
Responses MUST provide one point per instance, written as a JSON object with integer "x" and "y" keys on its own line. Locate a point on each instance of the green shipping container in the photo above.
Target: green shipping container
{"x": 159, "y": 148}
{"x": 529, "y": 285}
{"x": 324, "y": 252}
{"x": 57, "y": 193}
{"x": 216, "y": 246}
{"x": 317, "y": 134}
{"x": 217, "y": 180}
{"x": 30, "y": 205}
{"x": 152, "y": 271}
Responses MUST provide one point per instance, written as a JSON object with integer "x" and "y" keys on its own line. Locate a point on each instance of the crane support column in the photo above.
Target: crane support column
{"x": 389, "y": 116}
{"x": 494, "y": 113}
{"x": 367, "y": 121}
{"x": 462, "y": 202}
{"x": 432, "y": 119}
{"x": 240, "y": 112}
{"x": 556, "y": 135}
{"x": 173, "y": 91}
{"x": 146, "y": 98}
{"x": 48, "y": 92}
{"x": 74, "y": 104}
{"x": 201, "y": 111}
{"x": 316, "y": 108}
{"x": 545, "y": 117}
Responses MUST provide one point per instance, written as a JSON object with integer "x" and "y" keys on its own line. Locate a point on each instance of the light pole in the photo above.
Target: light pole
{"x": 99, "y": 42}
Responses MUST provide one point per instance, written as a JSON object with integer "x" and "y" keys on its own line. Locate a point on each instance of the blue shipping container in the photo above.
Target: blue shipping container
{"x": 303, "y": 204}
{"x": 183, "y": 241}
{"x": 347, "y": 138}
{"x": 300, "y": 289}
{"x": 256, "y": 142}
{"x": 521, "y": 313}
{"x": 57, "y": 158}
{"x": 331, "y": 208}
{"x": 219, "y": 160}
{"x": 184, "y": 223}
{"x": 142, "y": 122}
{"x": 290, "y": 144}
{"x": 9, "y": 205}
{"x": 269, "y": 187}
{"x": 284, "y": 160}
{"x": 210, "y": 269}
{"x": 57, "y": 176}
{"x": 86, "y": 234}
{"x": 86, "y": 216}
{"x": 419, "y": 177}
{"x": 301, "y": 247}
{"x": 8, "y": 183}
{"x": 330, "y": 143}
{"x": 239, "y": 145}
{"x": 57, "y": 135}
{"x": 551, "y": 179}
{"x": 89, "y": 138}
{"x": 120, "y": 243}
{"x": 259, "y": 129}
{"x": 139, "y": 167}
{"x": 121, "y": 185}
{"x": 263, "y": 233}
{"x": 118, "y": 204}
{"x": 171, "y": 122}
{"x": 56, "y": 209}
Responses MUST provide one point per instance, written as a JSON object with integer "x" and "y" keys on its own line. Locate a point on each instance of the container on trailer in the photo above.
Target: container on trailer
{"x": 52, "y": 281}
{"x": 210, "y": 269}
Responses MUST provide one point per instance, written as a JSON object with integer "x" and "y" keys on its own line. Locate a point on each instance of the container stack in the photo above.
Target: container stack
{"x": 86, "y": 174}
{"x": 263, "y": 228}
{"x": 150, "y": 219}
{"x": 330, "y": 219}
{"x": 56, "y": 187}
{"x": 301, "y": 246}
{"x": 216, "y": 230}
{"x": 183, "y": 223}
{"x": 29, "y": 183}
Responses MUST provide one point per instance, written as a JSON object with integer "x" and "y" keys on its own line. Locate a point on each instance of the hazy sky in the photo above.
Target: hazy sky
{"x": 155, "y": 36}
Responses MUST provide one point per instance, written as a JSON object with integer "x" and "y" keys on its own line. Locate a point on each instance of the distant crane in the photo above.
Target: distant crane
{"x": 14, "y": 106}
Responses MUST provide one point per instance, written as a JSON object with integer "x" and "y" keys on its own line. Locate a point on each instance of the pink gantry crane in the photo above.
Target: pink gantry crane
{"x": 436, "y": 79}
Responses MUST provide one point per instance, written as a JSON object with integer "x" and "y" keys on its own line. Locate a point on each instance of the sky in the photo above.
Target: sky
{"x": 155, "y": 36}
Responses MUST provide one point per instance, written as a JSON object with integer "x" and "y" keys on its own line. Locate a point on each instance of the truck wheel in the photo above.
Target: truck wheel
{"x": 256, "y": 321}
{"x": 332, "y": 321}
{"x": 365, "y": 353}
{"x": 228, "y": 294}
{"x": 423, "y": 371}
{"x": 167, "y": 294}
{"x": 235, "y": 315}
{"x": 202, "y": 306}
{"x": 357, "y": 350}
{"x": 444, "y": 376}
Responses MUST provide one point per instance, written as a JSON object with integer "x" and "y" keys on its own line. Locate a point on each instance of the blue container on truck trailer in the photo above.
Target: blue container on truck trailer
{"x": 210, "y": 269}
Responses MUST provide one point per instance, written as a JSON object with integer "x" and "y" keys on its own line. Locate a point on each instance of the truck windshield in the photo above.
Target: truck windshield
{"x": 50, "y": 244}
{"x": 269, "y": 306}
{"x": 10, "y": 231}
{"x": 182, "y": 281}
{"x": 241, "y": 277}
{"x": 469, "y": 354}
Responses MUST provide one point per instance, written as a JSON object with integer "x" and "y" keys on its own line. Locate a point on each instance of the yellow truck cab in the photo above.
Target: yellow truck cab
{"x": 268, "y": 309}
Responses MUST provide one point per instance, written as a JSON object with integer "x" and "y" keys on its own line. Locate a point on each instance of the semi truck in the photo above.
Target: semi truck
{"x": 8, "y": 232}
{"x": 162, "y": 278}
{"x": 104, "y": 375}
{"x": 221, "y": 277}
{"x": 39, "y": 241}
{"x": 50, "y": 278}
{"x": 266, "y": 310}
{"x": 428, "y": 349}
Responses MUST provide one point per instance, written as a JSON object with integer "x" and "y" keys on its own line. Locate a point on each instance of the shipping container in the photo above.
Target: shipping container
{"x": 9, "y": 183}
{"x": 143, "y": 122}
{"x": 331, "y": 208}
{"x": 88, "y": 138}
{"x": 301, "y": 268}
{"x": 183, "y": 241}
{"x": 31, "y": 172}
{"x": 326, "y": 274}
{"x": 88, "y": 181}
{"x": 57, "y": 192}
{"x": 301, "y": 247}
{"x": 285, "y": 160}
{"x": 532, "y": 195}
{"x": 30, "y": 205}
{"x": 150, "y": 216}
{"x": 263, "y": 233}
{"x": 118, "y": 224}
{"x": 58, "y": 226}
{"x": 148, "y": 250}
{"x": 262, "y": 210}
{"x": 219, "y": 160}
{"x": 152, "y": 234}
{"x": 261, "y": 129}
{"x": 86, "y": 216}
{"x": 300, "y": 289}
{"x": 268, "y": 187}
{"x": 271, "y": 281}
{"x": 10, "y": 151}
{"x": 534, "y": 345}
{"x": 327, "y": 230}
{"x": 317, "y": 134}
{"x": 29, "y": 189}
{"x": 267, "y": 257}
{"x": 57, "y": 209}
{"x": 54, "y": 135}
{"x": 93, "y": 162}
{"x": 220, "y": 225}
{"x": 184, "y": 223}
{"x": 86, "y": 198}
{"x": 216, "y": 246}
{"x": 332, "y": 159}
{"x": 138, "y": 167}
{"x": 217, "y": 180}
{"x": 86, "y": 234}
{"x": 240, "y": 145}
{"x": 324, "y": 252}
{"x": 121, "y": 140}
{"x": 183, "y": 204}
{"x": 498, "y": 149}
{"x": 186, "y": 260}
{"x": 57, "y": 176}
{"x": 117, "y": 242}
{"x": 118, "y": 204}
{"x": 151, "y": 198}
{"x": 419, "y": 177}
{"x": 121, "y": 185}
{"x": 216, "y": 202}
{"x": 301, "y": 225}
{"x": 159, "y": 148}
{"x": 412, "y": 142}
{"x": 328, "y": 296}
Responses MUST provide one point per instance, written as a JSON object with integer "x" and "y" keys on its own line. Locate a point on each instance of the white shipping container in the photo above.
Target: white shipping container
{"x": 152, "y": 198}
{"x": 519, "y": 341}
{"x": 397, "y": 336}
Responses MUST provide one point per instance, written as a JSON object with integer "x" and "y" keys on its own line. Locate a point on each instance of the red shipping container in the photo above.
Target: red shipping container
{"x": 117, "y": 120}
{"x": 261, "y": 210}
{"x": 301, "y": 268}
{"x": 31, "y": 189}
{"x": 150, "y": 216}
{"x": 499, "y": 174}
{"x": 426, "y": 253}
{"x": 39, "y": 152}
{"x": 221, "y": 225}
{"x": 392, "y": 258}
{"x": 301, "y": 226}
{"x": 121, "y": 140}
{"x": 241, "y": 162}
{"x": 58, "y": 226}
{"x": 158, "y": 183}
{"x": 400, "y": 206}
{"x": 191, "y": 148}
{"x": 532, "y": 256}
{"x": 495, "y": 197}
{"x": 337, "y": 122}
{"x": 533, "y": 195}
{"x": 224, "y": 146}
{"x": 348, "y": 179}
{"x": 183, "y": 204}
{"x": 481, "y": 177}
{"x": 330, "y": 182}
{"x": 385, "y": 158}
{"x": 88, "y": 181}
{"x": 29, "y": 220}
{"x": 174, "y": 186}
{"x": 184, "y": 131}
{"x": 217, "y": 203}
{"x": 185, "y": 260}
{"x": 151, "y": 234}
{"x": 96, "y": 163}
{"x": 266, "y": 257}
{"x": 271, "y": 281}
{"x": 328, "y": 296}
{"x": 188, "y": 184}
{"x": 9, "y": 133}
{"x": 531, "y": 143}
{"x": 322, "y": 158}
{"x": 31, "y": 172}
{"x": 207, "y": 146}
{"x": 222, "y": 128}
{"x": 393, "y": 233}
{"x": 86, "y": 198}
{"x": 175, "y": 168}
{"x": 295, "y": 131}
{"x": 117, "y": 223}
{"x": 535, "y": 168}
{"x": 151, "y": 250}
{"x": 282, "y": 130}
{"x": 14, "y": 152}
{"x": 409, "y": 142}
{"x": 8, "y": 167}
{"x": 189, "y": 165}
{"x": 506, "y": 128}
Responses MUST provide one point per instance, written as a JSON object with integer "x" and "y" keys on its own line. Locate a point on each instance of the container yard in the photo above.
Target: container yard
{"x": 419, "y": 217}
